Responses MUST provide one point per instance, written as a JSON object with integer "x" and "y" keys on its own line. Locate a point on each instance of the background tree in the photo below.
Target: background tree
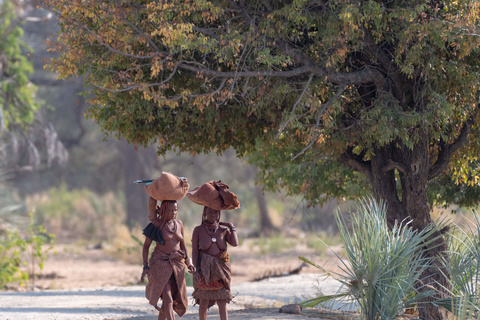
{"x": 16, "y": 97}
{"x": 28, "y": 142}
{"x": 327, "y": 97}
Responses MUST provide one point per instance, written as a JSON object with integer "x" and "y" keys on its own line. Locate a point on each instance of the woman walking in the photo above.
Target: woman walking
{"x": 212, "y": 280}
{"x": 166, "y": 266}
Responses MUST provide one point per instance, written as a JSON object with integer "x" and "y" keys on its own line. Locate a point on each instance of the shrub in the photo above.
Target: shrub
{"x": 383, "y": 264}
{"x": 11, "y": 248}
{"x": 79, "y": 214}
{"x": 27, "y": 251}
{"x": 463, "y": 265}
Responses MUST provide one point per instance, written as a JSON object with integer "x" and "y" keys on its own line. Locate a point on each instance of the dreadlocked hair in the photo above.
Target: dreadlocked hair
{"x": 163, "y": 208}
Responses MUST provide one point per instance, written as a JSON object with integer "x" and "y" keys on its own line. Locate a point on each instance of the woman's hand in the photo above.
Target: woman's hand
{"x": 226, "y": 224}
{"x": 191, "y": 269}
{"x": 144, "y": 274}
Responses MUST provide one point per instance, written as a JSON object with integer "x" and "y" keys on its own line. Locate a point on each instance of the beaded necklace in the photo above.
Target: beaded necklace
{"x": 174, "y": 227}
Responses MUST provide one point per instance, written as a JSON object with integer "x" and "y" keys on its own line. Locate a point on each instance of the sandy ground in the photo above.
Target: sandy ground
{"x": 89, "y": 285}
{"x": 254, "y": 300}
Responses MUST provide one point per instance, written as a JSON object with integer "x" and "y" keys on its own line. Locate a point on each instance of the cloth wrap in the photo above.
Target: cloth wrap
{"x": 162, "y": 268}
{"x": 216, "y": 275}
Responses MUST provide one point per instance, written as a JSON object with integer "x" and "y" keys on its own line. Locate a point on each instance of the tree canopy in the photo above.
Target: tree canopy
{"x": 308, "y": 89}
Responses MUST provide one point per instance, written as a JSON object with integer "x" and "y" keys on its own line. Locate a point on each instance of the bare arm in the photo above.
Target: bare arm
{"x": 188, "y": 261}
{"x": 231, "y": 236}
{"x": 195, "y": 248}
{"x": 146, "y": 248}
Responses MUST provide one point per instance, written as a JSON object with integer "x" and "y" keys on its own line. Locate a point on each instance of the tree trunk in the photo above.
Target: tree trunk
{"x": 411, "y": 203}
{"x": 266, "y": 225}
{"x": 136, "y": 165}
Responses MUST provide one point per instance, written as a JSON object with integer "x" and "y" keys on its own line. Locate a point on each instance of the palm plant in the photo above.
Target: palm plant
{"x": 463, "y": 265}
{"x": 383, "y": 264}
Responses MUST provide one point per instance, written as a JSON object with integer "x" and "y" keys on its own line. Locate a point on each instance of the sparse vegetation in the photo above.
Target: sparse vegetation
{"x": 79, "y": 214}
{"x": 21, "y": 252}
{"x": 383, "y": 265}
{"x": 275, "y": 244}
{"x": 464, "y": 269}
{"x": 11, "y": 247}
{"x": 322, "y": 241}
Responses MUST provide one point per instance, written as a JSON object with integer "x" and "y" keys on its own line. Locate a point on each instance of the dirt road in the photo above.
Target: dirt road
{"x": 253, "y": 300}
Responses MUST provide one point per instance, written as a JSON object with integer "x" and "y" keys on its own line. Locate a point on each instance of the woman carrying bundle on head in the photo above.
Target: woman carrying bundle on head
{"x": 166, "y": 266}
{"x": 209, "y": 251}
{"x": 211, "y": 281}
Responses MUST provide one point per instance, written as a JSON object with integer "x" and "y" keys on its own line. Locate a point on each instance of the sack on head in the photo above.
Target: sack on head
{"x": 166, "y": 187}
{"x": 215, "y": 195}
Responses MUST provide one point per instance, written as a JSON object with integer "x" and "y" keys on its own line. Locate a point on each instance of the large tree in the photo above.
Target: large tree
{"x": 327, "y": 97}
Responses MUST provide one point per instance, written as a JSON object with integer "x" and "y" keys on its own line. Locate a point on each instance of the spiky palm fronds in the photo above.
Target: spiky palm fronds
{"x": 383, "y": 264}
{"x": 463, "y": 265}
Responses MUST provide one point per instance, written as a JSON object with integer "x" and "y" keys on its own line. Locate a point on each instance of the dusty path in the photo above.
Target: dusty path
{"x": 254, "y": 300}
{"x": 82, "y": 283}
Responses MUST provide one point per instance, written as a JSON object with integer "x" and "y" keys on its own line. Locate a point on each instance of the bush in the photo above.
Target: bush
{"x": 11, "y": 248}
{"x": 79, "y": 214}
{"x": 28, "y": 251}
{"x": 274, "y": 244}
{"x": 320, "y": 242}
{"x": 383, "y": 264}
{"x": 463, "y": 265}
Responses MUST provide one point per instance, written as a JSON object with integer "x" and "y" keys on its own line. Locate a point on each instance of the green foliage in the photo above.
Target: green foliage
{"x": 17, "y": 102}
{"x": 463, "y": 266}
{"x": 18, "y": 251}
{"x": 275, "y": 244}
{"x": 322, "y": 241}
{"x": 79, "y": 213}
{"x": 383, "y": 264}
{"x": 12, "y": 245}
{"x": 188, "y": 279}
{"x": 460, "y": 185}
{"x": 38, "y": 243}
{"x": 310, "y": 91}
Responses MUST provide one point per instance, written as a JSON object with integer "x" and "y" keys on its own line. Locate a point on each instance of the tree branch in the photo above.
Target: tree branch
{"x": 315, "y": 134}
{"x": 394, "y": 165}
{"x": 295, "y": 105}
{"x": 124, "y": 16}
{"x": 140, "y": 85}
{"x": 447, "y": 150}
{"x": 365, "y": 76}
{"x": 386, "y": 63}
{"x": 351, "y": 161}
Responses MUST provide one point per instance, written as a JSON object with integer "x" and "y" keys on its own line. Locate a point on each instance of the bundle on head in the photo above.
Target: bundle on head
{"x": 166, "y": 187}
{"x": 215, "y": 195}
